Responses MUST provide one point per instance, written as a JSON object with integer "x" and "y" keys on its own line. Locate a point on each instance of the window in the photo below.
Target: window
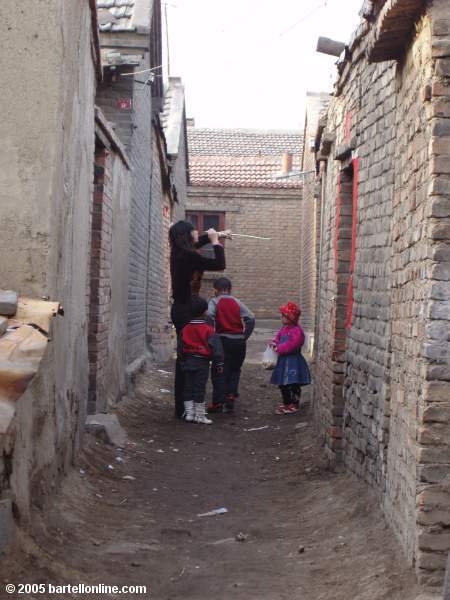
{"x": 202, "y": 221}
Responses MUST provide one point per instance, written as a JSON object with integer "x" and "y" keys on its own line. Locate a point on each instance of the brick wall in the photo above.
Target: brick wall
{"x": 386, "y": 392}
{"x": 134, "y": 129}
{"x": 180, "y": 180}
{"x": 108, "y": 277}
{"x": 264, "y": 273}
{"x": 310, "y": 217}
{"x": 432, "y": 209}
{"x": 158, "y": 328}
{"x": 100, "y": 280}
{"x": 409, "y": 287}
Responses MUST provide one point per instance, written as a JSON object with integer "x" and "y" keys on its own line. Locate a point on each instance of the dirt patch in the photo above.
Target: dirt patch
{"x": 293, "y": 529}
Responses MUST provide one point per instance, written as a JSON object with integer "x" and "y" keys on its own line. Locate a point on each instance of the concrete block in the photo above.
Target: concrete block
{"x": 7, "y": 525}
{"x": 8, "y": 303}
{"x": 443, "y": 67}
{"x": 434, "y": 541}
{"x": 437, "y": 413}
{"x": 108, "y": 426}
{"x": 436, "y": 391}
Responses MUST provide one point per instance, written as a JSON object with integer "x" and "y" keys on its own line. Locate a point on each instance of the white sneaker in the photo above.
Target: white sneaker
{"x": 200, "y": 414}
{"x": 189, "y": 411}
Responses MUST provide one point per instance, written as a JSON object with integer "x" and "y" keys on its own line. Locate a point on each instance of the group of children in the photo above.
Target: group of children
{"x": 217, "y": 334}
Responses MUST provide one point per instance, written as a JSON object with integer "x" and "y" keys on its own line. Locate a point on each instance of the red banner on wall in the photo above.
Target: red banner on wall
{"x": 124, "y": 104}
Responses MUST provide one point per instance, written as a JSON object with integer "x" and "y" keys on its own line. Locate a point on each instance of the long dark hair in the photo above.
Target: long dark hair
{"x": 180, "y": 237}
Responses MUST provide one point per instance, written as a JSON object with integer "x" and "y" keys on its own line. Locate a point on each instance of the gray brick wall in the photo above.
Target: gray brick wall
{"x": 310, "y": 217}
{"x": 382, "y": 362}
{"x": 158, "y": 328}
{"x": 134, "y": 128}
{"x": 180, "y": 179}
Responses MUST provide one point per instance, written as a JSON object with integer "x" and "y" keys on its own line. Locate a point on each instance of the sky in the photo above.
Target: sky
{"x": 249, "y": 63}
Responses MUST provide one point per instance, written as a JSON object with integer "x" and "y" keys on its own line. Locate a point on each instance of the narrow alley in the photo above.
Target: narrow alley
{"x": 183, "y": 186}
{"x": 293, "y": 531}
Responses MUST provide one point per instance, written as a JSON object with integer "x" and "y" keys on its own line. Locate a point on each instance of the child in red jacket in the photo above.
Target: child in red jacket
{"x": 234, "y": 323}
{"x": 291, "y": 371}
{"x": 198, "y": 345}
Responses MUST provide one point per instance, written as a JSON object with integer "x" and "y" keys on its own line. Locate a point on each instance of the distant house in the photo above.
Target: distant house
{"x": 247, "y": 180}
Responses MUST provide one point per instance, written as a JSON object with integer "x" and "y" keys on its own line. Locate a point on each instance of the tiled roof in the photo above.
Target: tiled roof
{"x": 115, "y": 15}
{"x": 242, "y": 157}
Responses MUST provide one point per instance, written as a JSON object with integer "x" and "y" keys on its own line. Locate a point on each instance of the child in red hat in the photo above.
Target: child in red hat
{"x": 291, "y": 371}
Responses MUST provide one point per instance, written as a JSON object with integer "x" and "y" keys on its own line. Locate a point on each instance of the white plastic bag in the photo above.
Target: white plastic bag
{"x": 269, "y": 358}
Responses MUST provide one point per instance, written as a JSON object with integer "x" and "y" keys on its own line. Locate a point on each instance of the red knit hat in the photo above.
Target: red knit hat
{"x": 291, "y": 311}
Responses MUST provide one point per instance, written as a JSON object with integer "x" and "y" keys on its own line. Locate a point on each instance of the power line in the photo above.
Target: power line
{"x": 304, "y": 18}
{"x": 167, "y": 40}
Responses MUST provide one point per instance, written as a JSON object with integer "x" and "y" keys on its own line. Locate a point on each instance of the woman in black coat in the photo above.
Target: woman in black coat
{"x": 186, "y": 267}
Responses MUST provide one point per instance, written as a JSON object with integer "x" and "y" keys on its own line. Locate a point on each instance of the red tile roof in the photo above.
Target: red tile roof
{"x": 248, "y": 158}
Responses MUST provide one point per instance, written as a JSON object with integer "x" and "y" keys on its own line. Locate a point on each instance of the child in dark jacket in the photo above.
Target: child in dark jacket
{"x": 291, "y": 371}
{"x": 198, "y": 345}
{"x": 234, "y": 323}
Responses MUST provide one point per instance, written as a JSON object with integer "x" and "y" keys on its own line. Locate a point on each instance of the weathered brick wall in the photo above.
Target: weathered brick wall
{"x": 433, "y": 407}
{"x": 108, "y": 281}
{"x": 141, "y": 160}
{"x": 134, "y": 129}
{"x": 265, "y": 274}
{"x": 395, "y": 369}
{"x": 100, "y": 280}
{"x": 409, "y": 286}
{"x": 330, "y": 330}
{"x": 180, "y": 180}
{"x": 310, "y": 216}
{"x": 158, "y": 329}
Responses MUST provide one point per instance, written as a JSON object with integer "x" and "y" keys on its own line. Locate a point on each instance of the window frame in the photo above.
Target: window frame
{"x": 200, "y": 214}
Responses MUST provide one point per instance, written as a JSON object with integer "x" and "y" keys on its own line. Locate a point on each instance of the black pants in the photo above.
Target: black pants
{"x": 180, "y": 315}
{"x": 227, "y": 383}
{"x": 291, "y": 393}
{"x": 196, "y": 372}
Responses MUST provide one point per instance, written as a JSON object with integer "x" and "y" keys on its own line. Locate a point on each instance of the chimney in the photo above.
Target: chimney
{"x": 190, "y": 122}
{"x": 286, "y": 163}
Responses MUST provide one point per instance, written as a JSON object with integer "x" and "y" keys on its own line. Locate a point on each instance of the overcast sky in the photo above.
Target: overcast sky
{"x": 249, "y": 63}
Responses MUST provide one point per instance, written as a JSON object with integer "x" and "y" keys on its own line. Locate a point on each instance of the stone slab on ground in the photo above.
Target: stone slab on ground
{"x": 3, "y": 325}
{"x": 8, "y": 303}
{"x": 108, "y": 426}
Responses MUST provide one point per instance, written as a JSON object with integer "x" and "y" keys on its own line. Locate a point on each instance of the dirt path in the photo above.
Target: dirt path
{"x": 306, "y": 534}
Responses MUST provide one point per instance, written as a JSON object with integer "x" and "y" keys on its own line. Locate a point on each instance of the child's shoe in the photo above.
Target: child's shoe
{"x": 215, "y": 407}
{"x": 228, "y": 407}
{"x": 286, "y": 409}
{"x": 189, "y": 411}
{"x": 200, "y": 414}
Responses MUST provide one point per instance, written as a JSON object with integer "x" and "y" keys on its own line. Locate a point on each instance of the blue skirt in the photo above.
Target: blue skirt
{"x": 291, "y": 368}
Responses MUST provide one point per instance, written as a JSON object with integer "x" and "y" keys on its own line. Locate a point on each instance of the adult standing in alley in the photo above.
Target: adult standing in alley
{"x": 186, "y": 267}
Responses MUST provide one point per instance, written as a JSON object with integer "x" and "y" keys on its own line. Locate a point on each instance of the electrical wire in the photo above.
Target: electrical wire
{"x": 304, "y": 18}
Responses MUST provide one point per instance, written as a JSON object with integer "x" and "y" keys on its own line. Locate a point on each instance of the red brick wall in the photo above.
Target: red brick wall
{"x": 100, "y": 280}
